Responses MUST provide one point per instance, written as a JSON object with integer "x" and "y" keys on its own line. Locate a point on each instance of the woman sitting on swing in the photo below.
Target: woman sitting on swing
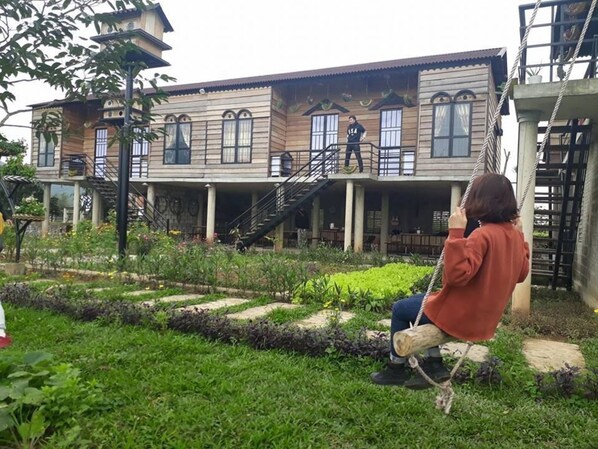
{"x": 480, "y": 273}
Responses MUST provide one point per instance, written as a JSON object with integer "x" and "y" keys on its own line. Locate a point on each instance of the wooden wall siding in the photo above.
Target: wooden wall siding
{"x": 278, "y": 122}
{"x": 451, "y": 80}
{"x": 206, "y": 112}
{"x": 299, "y": 126}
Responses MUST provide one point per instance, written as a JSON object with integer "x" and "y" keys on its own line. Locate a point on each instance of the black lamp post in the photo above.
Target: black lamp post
{"x": 124, "y": 162}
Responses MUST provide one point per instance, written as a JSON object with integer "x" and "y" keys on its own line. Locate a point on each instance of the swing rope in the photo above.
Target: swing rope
{"x": 445, "y": 398}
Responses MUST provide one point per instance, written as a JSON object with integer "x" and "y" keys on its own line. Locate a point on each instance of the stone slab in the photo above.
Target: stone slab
{"x": 257, "y": 312}
{"x": 139, "y": 293}
{"x": 321, "y": 319}
{"x": 219, "y": 304}
{"x": 385, "y": 322}
{"x": 546, "y": 355}
{"x": 173, "y": 298}
{"x": 477, "y": 353}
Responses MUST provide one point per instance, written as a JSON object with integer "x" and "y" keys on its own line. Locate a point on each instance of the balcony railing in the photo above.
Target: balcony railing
{"x": 553, "y": 38}
{"x": 395, "y": 161}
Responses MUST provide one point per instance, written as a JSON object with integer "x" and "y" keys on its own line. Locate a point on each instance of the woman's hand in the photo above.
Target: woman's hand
{"x": 517, "y": 223}
{"x": 458, "y": 219}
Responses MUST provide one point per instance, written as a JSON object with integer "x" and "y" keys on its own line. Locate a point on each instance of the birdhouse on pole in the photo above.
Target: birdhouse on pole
{"x": 144, "y": 29}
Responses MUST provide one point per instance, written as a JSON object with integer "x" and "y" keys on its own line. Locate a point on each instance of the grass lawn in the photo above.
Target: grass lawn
{"x": 169, "y": 390}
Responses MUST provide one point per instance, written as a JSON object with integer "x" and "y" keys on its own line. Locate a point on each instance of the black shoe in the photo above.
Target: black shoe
{"x": 434, "y": 369}
{"x": 393, "y": 374}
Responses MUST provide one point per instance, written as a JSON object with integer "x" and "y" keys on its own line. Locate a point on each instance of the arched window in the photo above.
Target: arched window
{"x": 177, "y": 139}
{"x": 451, "y": 126}
{"x": 237, "y": 136}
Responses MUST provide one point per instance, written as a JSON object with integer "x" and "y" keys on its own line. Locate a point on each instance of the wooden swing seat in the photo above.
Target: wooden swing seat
{"x": 418, "y": 338}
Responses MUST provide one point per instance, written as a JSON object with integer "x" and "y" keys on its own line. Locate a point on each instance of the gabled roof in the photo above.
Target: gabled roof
{"x": 494, "y": 56}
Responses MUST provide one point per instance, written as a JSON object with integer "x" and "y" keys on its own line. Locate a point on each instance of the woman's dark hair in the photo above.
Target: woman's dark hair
{"x": 491, "y": 199}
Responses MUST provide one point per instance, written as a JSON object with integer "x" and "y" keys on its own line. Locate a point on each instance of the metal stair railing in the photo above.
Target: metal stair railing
{"x": 575, "y": 164}
{"x": 109, "y": 173}
{"x": 149, "y": 212}
{"x": 290, "y": 191}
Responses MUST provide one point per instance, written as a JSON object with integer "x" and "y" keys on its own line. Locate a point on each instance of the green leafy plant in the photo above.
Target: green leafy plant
{"x": 38, "y": 397}
{"x": 372, "y": 289}
{"x": 30, "y": 206}
{"x": 16, "y": 166}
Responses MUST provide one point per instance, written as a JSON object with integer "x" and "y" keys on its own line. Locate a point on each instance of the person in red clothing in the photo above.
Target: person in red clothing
{"x": 480, "y": 273}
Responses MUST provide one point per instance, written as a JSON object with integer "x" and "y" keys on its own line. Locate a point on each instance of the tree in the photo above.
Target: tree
{"x": 42, "y": 40}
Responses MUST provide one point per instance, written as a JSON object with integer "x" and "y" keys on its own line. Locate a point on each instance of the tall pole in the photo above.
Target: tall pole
{"x": 122, "y": 205}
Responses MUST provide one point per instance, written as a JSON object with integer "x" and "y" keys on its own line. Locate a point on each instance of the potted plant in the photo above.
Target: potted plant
{"x": 29, "y": 209}
{"x": 534, "y": 76}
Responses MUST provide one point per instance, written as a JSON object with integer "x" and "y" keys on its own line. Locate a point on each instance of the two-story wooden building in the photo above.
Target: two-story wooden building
{"x": 280, "y": 140}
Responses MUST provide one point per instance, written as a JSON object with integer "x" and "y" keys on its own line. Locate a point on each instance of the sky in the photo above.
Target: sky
{"x": 237, "y": 38}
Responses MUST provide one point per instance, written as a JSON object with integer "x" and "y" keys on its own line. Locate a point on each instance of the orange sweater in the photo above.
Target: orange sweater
{"x": 480, "y": 273}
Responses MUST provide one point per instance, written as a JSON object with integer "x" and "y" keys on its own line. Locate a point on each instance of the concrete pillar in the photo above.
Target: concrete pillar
{"x": 151, "y": 199}
{"x": 279, "y": 237}
{"x": 46, "y": 222}
{"x": 455, "y": 196}
{"x": 528, "y": 140}
{"x": 76, "y": 204}
{"x": 348, "y": 214}
{"x": 200, "y": 214}
{"x": 211, "y": 214}
{"x": 359, "y": 218}
{"x": 254, "y": 199}
{"x": 315, "y": 222}
{"x": 384, "y": 222}
{"x": 97, "y": 207}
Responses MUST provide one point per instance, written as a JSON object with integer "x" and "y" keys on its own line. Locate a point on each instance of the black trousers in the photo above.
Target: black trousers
{"x": 355, "y": 148}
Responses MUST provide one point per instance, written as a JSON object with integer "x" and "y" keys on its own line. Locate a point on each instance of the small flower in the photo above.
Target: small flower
{"x": 161, "y": 286}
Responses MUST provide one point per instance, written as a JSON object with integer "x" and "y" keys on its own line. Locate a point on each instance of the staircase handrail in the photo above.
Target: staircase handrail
{"x": 290, "y": 186}
{"x": 110, "y": 173}
{"x": 156, "y": 217}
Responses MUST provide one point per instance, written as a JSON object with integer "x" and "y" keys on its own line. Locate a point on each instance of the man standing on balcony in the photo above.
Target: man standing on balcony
{"x": 355, "y": 134}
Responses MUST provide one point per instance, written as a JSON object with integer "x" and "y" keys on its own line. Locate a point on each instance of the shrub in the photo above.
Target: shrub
{"x": 372, "y": 289}
{"x": 38, "y": 397}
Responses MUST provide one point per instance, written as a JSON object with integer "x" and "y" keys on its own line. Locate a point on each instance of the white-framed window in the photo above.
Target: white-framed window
{"x": 100, "y": 152}
{"x": 440, "y": 221}
{"x": 139, "y": 153}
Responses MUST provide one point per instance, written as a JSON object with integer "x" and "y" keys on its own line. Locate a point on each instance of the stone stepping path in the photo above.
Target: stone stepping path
{"x": 219, "y": 304}
{"x": 99, "y": 289}
{"x": 257, "y": 312}
{"x": 38, "y": 281}
{"x": 139, "y": 293}
{"x": 541, "y": 355}
{"x": 546, "y": 355}
{"x": 322, "y": 318}
{"x": 170, "y": 299}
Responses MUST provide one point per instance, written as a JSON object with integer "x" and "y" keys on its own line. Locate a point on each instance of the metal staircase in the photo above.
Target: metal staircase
{"x": 559, "y": 191}
{"x": 286, "y": 198}
{"x": 104, "y": 179}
